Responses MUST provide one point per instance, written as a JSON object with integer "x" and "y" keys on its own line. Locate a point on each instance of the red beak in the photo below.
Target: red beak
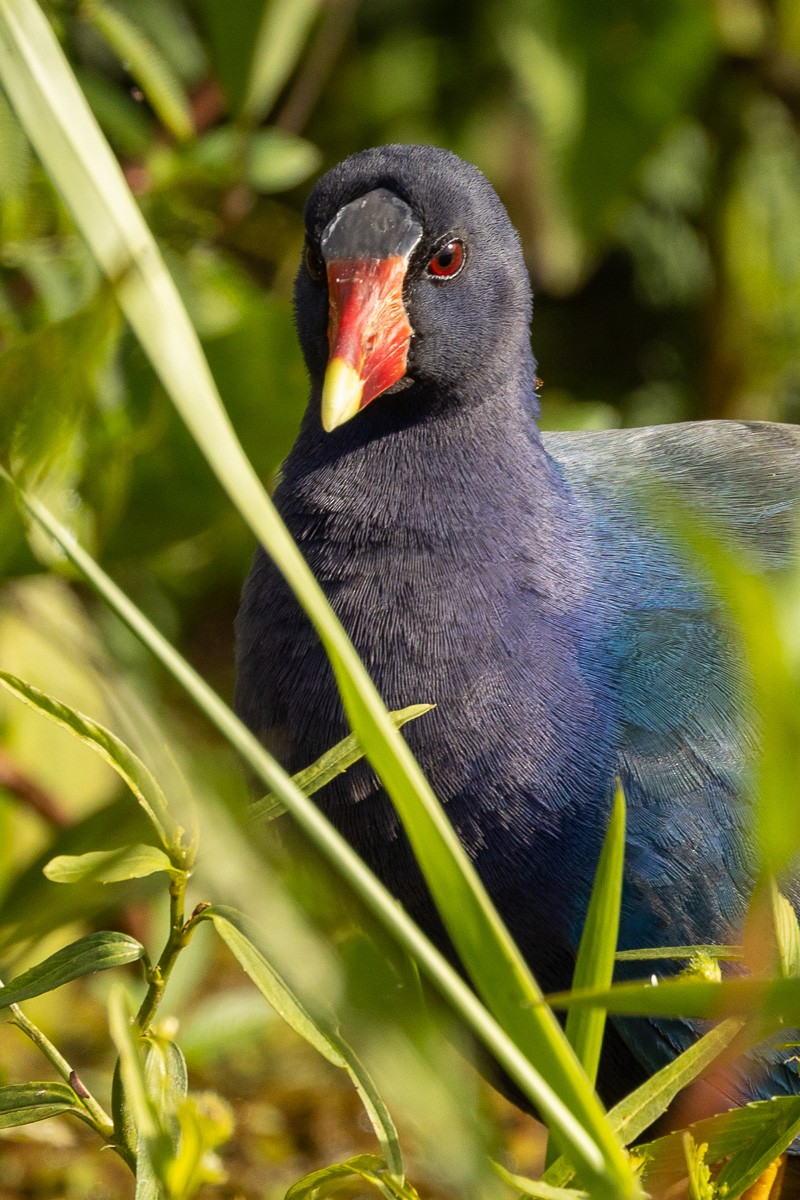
{"x": 368, "y": 333}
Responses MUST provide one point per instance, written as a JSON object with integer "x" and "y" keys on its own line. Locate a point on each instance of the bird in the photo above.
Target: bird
{"x": 521, "y": 582}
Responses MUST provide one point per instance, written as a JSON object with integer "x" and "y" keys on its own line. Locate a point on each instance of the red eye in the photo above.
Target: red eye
{"x": 448, "y": 261}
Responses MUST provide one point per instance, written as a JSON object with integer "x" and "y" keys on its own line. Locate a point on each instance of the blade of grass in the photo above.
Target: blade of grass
{"x": 577, "y": 1143}
{"x": 594, "y": 966}
{"x": 54, "y": 113}
{"x": 285, "y": 25}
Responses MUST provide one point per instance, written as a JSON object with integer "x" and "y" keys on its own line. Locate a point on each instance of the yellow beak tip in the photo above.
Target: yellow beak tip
{"x": 341, "y": 394}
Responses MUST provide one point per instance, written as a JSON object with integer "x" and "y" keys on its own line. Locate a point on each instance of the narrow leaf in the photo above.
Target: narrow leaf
{"x": 108, "y": 866}
{"x": 537, "y": 1187}
{"x": 379, "y": 1115}
{"x": 722, "y": 953}
{"x": 21, "y": 1104}
{"x": 127, "y": 765}
{"x": 746, "y": 1140}
{"x": 777, "y": 1001}
{"x": 594, "y": 967}
{"x": 232, "y": 927}
{"x": 95, "y": 952}
{"x": 327, "y": 1181}
{"x": 332, "y": 763}
{"x": 153, "y": 1148}
{"x": 282, "y": 34}
{"x": 643, "y": 1106}
{"x": 145, "y": 62}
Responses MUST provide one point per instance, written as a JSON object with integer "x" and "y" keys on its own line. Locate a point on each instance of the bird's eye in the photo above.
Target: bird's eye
{"x": 447, "y": 261}
{"x": 314, "y": 264}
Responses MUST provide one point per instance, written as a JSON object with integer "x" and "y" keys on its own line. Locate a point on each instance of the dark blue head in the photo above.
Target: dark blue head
{"x": 412, "y": 286}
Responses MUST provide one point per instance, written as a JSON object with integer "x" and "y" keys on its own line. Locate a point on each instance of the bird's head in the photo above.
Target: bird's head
{"x": 412, "y": 274}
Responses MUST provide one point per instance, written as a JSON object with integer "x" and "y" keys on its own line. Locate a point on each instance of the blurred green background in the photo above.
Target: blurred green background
{"x": 649, "y": 155}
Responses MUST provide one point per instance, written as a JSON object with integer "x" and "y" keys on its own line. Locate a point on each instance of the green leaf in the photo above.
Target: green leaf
{"x": 232, "y": 928}
{"x": 745, "y": 1139}
{"x": 282, "y": 33}
{"x": 145, "y": 63}
{"x": 787, "y": 932}
{"x": 95, "y": 952}
{"x": 278, "y": 160}
{"x": 109, "y": 866}
{"x": 594, "y": 967}
{"x": 154, "y": 1144}
{"x": 327, "y": 1181}
{"x": 332, "y": 763}
{"x": 127, "y": 765}
{"x": 238, "y": 937}
{"x": 641, "y": 1107}
{"x": 21, "y": 1104}
{"x": 205, "y": 1121}
{"x": 722, "y": 953}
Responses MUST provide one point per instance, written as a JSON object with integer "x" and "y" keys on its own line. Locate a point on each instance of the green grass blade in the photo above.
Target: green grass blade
{"x": 777, "y": 1001}
{"x": 640, "y": 1108}
{"x": 119, "y": 757}
{"x": 333, "y": 762}
{"x": 722, "y": 953}
{"x": 577, "y": 1143}
{"x": 594, "y": 967}
{"x": 95, "y": 952}
{"x": 54, "y": 113}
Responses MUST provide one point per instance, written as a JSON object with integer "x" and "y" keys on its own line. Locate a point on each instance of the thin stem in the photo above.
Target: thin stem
{"x": 100, "y": 1119}
{"x": 180, "y": 932}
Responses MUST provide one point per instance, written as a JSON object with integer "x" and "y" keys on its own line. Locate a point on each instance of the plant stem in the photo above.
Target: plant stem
{"x": 180, "y": 932}
{"x": 100, "y": 1118}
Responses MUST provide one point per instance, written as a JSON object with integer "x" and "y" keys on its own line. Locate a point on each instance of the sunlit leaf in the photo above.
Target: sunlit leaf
{"x": 745, "y": 1140}
{"x": 723, "y": 953}
{"x": 537, "y": 1187}
{"x": 332, "y": 763}
{"x": 641, "y": 1107}
{"x": 277, "y": 160}
{"x": 128, "y": 766}
{"x": 94, "y": 952}
{"x": 108, "y": 866}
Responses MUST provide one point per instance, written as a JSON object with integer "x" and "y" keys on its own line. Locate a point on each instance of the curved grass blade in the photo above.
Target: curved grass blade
{"x": 333, "y": 762}
{"x": 578, "y": 1144}
{"x": 127, "y": 765}
{"x": 230, "y": 925}
{"x": 108, "y": 866}
{"x": 95, "y": 952}
{"x": 23, "y": 1103}
{"x": 54, "y": 113}
{"x": 146, "y": 65}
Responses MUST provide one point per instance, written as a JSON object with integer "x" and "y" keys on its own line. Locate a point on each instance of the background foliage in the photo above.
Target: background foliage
{"x": 649, "y": 155}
